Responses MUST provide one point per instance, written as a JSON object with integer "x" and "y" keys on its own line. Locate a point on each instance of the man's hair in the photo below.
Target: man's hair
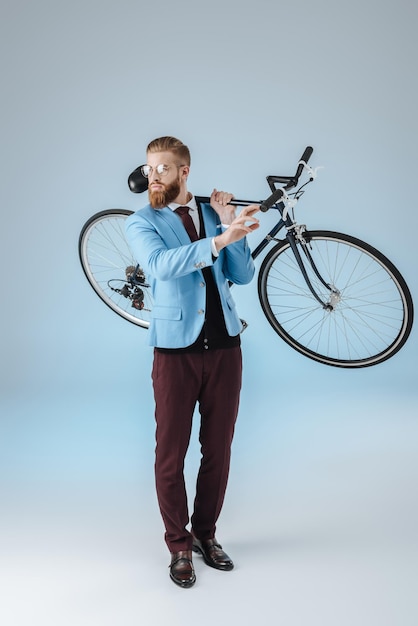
{"x": 171, "y": 144}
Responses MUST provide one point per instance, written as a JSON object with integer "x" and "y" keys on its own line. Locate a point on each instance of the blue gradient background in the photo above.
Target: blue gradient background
{"x": 321, "y": 511}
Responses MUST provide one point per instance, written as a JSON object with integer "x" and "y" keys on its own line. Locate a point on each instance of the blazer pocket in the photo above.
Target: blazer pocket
{"x": 166, "y": 312}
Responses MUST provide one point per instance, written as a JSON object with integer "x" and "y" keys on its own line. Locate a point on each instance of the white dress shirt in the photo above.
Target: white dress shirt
{"x": 194, "y": 214}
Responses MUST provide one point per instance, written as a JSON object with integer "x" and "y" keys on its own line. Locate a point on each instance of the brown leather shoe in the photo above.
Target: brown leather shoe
{"x": 213, "y": 554}
{"x": 181, "y": 568}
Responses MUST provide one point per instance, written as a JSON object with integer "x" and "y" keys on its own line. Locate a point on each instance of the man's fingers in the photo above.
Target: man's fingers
{"x": 241, "y": 219}
{"x": 251, "y": 209}
{"x": 221, "y": 197}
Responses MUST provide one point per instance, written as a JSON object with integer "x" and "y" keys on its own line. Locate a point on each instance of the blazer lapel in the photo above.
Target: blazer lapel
{"x": 210, "y": 220}
{"x": 167, "y": 217}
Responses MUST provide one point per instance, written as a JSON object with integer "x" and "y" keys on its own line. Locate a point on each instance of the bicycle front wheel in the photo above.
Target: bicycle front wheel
{"x": 369, "y": 311}
{"x": 111, "y": 269}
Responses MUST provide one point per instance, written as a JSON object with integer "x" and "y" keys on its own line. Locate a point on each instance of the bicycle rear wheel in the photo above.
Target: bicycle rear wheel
{"x": 111, "y": 269}
{"x": 370, "y": 309}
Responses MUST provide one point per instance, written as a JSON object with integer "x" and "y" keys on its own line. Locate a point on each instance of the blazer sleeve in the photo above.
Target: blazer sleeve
{"x": 237, "y": 262}
{"x": 164, "y": 252}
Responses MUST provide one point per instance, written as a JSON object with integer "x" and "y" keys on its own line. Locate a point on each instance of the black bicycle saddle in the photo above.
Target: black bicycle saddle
{"x": 137, "y": 181}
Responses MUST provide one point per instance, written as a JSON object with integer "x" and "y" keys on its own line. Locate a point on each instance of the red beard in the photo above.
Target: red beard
{"x": 160, "y": 198}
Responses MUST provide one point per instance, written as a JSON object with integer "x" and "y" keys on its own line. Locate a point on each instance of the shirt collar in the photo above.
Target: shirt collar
{"x": 191, "y": 204}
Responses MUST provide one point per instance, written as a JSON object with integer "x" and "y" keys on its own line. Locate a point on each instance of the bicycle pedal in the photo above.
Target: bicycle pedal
{"x": 244, "y": 325}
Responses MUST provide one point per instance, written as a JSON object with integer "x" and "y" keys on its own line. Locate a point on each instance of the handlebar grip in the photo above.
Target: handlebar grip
{"x": 305, "y": 157}
{"x": 275, "y": 196}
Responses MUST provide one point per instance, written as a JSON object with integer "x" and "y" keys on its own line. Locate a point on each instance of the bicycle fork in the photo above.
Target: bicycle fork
{"x": 295, "y": 236}
{"x": 293, "y": 239}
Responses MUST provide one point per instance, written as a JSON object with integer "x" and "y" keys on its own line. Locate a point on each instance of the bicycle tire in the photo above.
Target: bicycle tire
{"x": 372, "y": 312}
{"x": 106, "y": 260}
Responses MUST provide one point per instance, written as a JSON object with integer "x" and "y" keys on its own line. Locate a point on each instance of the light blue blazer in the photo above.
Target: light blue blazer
{"x": 173, "y": 267}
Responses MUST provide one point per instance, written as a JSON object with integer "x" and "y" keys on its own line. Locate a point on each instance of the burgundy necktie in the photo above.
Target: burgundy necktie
{"x": 186, "y": 218}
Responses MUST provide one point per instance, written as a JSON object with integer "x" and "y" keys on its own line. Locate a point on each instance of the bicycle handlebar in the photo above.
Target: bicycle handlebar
{"x": 304, "y": 159}
{"x": 275, "y": 197}
{"x": 291, "y": 181}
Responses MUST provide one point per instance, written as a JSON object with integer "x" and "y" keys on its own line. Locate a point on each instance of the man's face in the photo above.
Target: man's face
{"x": 164, "y": 187}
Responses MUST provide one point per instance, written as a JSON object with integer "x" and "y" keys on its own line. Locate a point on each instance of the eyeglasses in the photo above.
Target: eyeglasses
{"x": 160, "y": 169}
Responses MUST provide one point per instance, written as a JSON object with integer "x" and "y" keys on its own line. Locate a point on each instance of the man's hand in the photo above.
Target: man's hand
{"x": 240, "y": 226}
{"x": 219, "y": 201}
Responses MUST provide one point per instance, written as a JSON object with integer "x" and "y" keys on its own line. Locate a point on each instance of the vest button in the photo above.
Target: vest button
{"x": 200, "y": 311}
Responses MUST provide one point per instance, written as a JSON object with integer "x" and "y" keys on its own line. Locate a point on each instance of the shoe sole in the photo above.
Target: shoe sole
{"x": 185, "y": 584}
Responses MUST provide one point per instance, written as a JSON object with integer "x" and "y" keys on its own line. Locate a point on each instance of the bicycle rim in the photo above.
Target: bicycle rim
{"x": 370, "y": 307}
{"x": 106, "y": 260}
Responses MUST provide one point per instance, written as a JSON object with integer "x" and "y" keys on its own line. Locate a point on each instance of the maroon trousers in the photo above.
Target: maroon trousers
{"x": 213, "y": 379}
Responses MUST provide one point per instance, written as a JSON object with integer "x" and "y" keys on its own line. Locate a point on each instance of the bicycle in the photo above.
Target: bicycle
{"x": 330, "y": 296}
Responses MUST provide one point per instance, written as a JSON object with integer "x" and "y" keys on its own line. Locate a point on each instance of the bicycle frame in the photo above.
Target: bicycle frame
{"x": 330, "y": 296}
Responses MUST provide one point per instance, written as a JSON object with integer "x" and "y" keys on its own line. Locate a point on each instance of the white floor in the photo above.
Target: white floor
{"x": 323, "y": 533}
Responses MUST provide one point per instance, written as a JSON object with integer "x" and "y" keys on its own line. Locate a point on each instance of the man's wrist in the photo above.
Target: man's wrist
{"x": 215, "y": 251}
{"x": 218, "y": 243}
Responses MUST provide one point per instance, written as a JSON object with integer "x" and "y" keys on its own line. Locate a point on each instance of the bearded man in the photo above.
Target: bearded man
{"x": 191, "y": 253}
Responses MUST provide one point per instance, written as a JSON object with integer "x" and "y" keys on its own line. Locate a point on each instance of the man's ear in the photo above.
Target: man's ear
{"x": 185, "y": 170}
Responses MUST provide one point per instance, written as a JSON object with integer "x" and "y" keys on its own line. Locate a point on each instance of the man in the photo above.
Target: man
{"x": 195, "y": 331}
